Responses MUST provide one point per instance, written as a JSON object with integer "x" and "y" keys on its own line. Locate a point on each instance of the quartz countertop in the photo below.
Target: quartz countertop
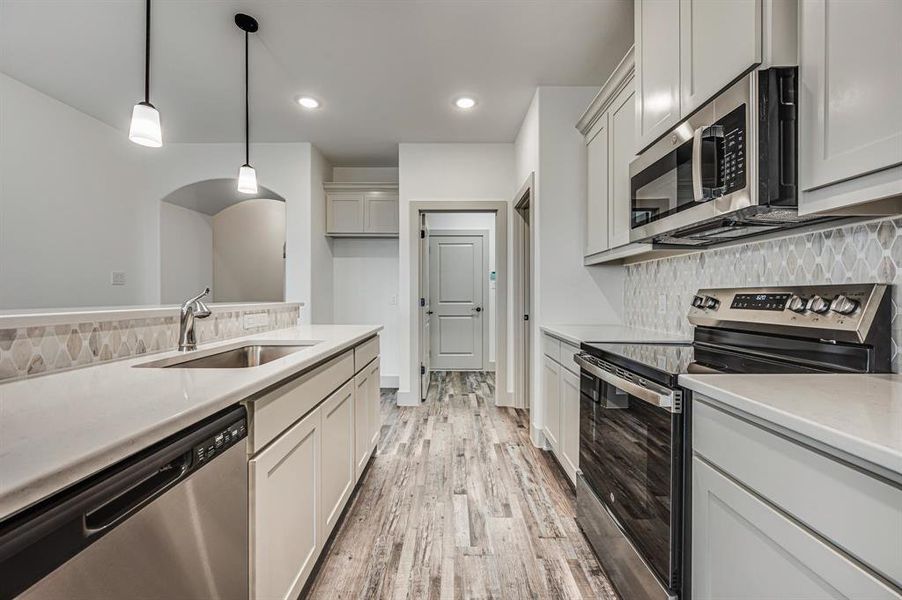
{"x": 58, "y": 429}
{"x": 859, "y": 415}
{"x": 576, "y": 334}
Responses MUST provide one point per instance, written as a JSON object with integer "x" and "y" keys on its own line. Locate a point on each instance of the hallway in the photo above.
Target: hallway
{"x": 458, "y": 504}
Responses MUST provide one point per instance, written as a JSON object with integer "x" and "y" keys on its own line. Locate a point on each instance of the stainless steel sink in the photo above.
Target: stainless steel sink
{"x": 241, "y": 357}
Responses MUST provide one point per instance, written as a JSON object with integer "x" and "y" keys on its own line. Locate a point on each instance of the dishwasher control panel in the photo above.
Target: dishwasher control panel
{"x": 220, "y": 442}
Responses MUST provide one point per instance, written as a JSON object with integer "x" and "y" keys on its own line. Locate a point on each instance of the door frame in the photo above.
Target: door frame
{"x": 484, "y": 234}
{"x": 499, "y": 208}
{"x": 523, "y": 290}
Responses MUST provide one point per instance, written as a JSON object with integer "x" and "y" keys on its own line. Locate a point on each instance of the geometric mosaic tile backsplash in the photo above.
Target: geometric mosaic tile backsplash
{"x": 861, "y": 253}
{"x": 30, "y": 351}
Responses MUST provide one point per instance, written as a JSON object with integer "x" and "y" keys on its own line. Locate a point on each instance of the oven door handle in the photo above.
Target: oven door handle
{"x": 661, "y": 398}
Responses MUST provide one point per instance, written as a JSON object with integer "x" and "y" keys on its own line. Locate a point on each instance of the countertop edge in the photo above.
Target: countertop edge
{"x": 559, "y": 331}
{"x": 103, "y": 457}
{"x": 842, "y": 443}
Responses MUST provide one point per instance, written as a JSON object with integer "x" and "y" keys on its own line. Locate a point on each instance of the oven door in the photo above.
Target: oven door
{"x": 698, "y": 172}
{"x": 630, "y": 457}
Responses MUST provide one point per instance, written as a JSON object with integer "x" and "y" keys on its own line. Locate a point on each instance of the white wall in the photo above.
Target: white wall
{"x": 566, "y": 290}
{"x": 474, "y": 221}
{"x": 186, "y": 252}
{"x": 320, "y": 246}
{"x": 248, "y": 240}
{"x": 441, "y": 172}
{"x": 69, "y": 189}
{"x": 366, "y": 291}
{"x": 365, "y": 174}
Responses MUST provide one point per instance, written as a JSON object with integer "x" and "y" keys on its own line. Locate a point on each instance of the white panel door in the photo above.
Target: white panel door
{"x": 457, "y": 268}
{"x": 623, "y": 143}
{"x": 598, "y": 191}
{"x": 339, "y": 471}
{"x": 344, "y": 212}
{"x": 551, "y": 396}
{"x": 285, "y": 511}
{"x": 657, "y": 36}
{"x": 851, "y": 89}
{"x": 743, "y": 549}
{"x": 381, "y": 212}
{"x": 719, "y": 41}
{"x": 425, "y": 310}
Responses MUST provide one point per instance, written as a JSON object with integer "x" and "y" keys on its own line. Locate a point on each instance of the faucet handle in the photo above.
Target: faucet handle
{"x": 191, "y": 301}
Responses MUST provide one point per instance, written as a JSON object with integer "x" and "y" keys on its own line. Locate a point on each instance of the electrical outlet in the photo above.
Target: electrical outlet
{"x": 255, "y": 320}
{"x": 662, "y": 303}
{"x": 393, "y": 301}
{"x": 117, "y": 278}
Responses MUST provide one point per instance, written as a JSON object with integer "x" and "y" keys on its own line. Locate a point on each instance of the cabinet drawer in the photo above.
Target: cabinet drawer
{"x": 272, "y": 413}
{"x": 857, "y": 512}
{"x": 366, "y": 352}
{"x": 551, "y": 347}
{"x": 568, "y": 351}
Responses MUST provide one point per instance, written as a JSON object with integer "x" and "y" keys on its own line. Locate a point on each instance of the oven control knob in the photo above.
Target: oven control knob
{"x": 711, "y": 302}
{"x": 818, "y": 305}
{"x": 797, "y": 304}
{"x": 698, "y": 302}
{"x": 843, "y": 305}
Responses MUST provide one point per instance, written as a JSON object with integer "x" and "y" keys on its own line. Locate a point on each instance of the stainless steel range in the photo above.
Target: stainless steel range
{"x": 634, "y": 417}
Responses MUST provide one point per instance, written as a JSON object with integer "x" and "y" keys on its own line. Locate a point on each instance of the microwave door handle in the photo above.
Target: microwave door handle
{"x": 698, "y": 193}
{"x": 661, "y": 399}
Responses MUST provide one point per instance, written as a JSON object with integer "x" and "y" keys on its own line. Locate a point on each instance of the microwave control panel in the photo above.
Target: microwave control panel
{"x": 732, "y": 165}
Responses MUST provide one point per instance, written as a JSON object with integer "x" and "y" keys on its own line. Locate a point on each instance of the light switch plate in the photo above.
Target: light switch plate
{"x": 117, "y": 278}
{"x": 255, "y": 320}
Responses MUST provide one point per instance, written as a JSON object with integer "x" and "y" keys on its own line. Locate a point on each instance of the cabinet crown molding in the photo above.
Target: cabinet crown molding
{"x": 619, "y": 79}
{"x": 360, "y": 186}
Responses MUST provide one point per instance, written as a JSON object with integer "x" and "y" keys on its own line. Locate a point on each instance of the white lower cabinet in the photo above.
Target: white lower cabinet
{"x": 745, "y": 549}
{"x": 362, "y": 414}
{"x": 569, "y": 455}
{"x": 339, "y": 473}
{"x": 284, "y": 507}
{"x": 551, "y": 394}
{"x": 375, "y": 402}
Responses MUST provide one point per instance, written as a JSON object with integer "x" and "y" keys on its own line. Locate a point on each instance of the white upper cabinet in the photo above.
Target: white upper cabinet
{"x": 657, "y": 35}
{"x": 622, "y": 144}
{"x": 850, "y": 103}
{"x": 719, "y": 41}
{"x": 597, "y": 210}
{"x": 361, "y": 209}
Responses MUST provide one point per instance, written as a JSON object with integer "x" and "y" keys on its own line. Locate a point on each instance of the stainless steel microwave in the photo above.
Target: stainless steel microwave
{"x": 728, "y": 171}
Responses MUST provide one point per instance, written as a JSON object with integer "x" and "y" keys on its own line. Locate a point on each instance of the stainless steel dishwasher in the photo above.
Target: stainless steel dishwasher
{"x": 169, "y": 522}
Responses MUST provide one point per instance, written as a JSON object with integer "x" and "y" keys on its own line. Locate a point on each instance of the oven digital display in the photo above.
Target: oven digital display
{"x": 760, "y": 301}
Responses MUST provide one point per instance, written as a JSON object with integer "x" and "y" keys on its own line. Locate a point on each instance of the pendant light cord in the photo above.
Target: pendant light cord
{"x": 147, "y": 55}
{"x": 247, "y": 112}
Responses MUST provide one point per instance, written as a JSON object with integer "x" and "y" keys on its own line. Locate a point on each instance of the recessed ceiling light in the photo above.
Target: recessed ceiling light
{"x": 465, "y": 102}
{"x": 308, "y": 102}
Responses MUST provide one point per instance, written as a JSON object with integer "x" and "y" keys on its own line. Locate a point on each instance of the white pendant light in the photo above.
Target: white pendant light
{"x": 247, "y": 176}
{"x": 145, "y": 128}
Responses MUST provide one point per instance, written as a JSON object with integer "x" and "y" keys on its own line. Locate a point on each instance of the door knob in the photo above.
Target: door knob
{"x": 478, "y": 309}
{"x": 429, "y": 312}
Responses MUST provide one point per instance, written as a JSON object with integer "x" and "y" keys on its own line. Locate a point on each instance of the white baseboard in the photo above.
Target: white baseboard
{"x": 538, "y": 438}
{"x": 389, "y": 381}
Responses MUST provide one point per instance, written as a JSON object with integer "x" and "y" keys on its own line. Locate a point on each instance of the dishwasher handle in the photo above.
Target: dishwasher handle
{"x": 137, "y": 496}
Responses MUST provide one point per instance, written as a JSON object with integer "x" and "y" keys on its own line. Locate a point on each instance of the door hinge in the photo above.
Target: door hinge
{"x": 525, "y": 317}
{"x": 422, "y": 302}
{"x": 422, "y": 234}
{"x": 422, "y": 369}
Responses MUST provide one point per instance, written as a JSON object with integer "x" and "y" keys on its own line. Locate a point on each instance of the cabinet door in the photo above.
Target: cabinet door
{"x": 339, "y": 471}
{"x": 375, "y": 403}
{"x": 363, "y": 431}
{"x": 570, "y": 423}
{"x": 622, "y": 123}
{"x": 344, "y": 212}
{"x": 736, "y": 538}
{"x": 551, "y": 394}
{"x": 598, "y": 188}
{"x": 284, "y": 511}
{"x": 380, "y": 212}
{"x": 657, "y": 37}
{"x": 719, "y": 41}
{"x": 851, "y": 85}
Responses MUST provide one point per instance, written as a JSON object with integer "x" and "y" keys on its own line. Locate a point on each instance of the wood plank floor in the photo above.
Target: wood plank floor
{"x": 459, "y": 504}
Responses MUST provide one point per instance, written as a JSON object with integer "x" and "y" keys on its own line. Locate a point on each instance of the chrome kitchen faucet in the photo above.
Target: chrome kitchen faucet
{"x": 191, "y": 309}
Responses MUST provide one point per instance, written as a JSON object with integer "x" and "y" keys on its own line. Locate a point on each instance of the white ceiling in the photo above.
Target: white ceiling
{"x": 386, "y": 71}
